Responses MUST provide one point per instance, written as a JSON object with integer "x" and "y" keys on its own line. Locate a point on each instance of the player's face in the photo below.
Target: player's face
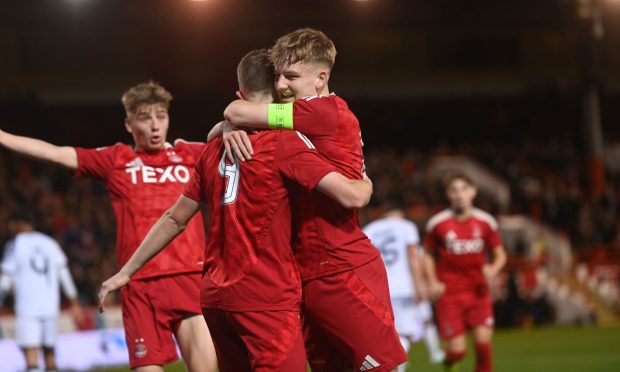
{"x": 149, "y": 127}
{"x": 299, "y": 80}
{"x": 461, "y": 195}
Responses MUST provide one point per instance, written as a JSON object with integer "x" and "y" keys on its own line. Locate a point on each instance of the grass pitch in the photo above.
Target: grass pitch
{"x": 561, "y": 349}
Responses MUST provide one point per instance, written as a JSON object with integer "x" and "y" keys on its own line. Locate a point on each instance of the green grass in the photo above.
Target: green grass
{"x": 570, "y": 349}
{"x": 587, "y": 349}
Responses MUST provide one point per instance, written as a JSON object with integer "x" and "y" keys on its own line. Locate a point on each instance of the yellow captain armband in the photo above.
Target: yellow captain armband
{"x": 280, "y": 116}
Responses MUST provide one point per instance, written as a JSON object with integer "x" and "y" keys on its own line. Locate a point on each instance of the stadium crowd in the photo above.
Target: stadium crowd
{"x": 545, "y": 185}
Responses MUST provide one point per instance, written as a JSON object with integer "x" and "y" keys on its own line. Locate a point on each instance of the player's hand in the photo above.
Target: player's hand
{"x": 236, "y": 142}
{"x": 436, "y": 290}
{"x": 112, "y": 284}
{"x": 489, "y": 272}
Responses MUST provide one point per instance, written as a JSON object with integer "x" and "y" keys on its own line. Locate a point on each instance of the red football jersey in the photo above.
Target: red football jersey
{"x": 142, "y": 186}
{"x": 460, "y": 248}
{"x": 327, "y": 237}
{"x": 249, "y": 264}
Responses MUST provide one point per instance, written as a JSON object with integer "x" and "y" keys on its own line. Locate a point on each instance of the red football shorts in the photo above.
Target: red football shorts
{"x": 152, "y": 311}
{"x": 257, "y": 341}
{"x": 458, "y": 312}
{"x": 348, "y": 321}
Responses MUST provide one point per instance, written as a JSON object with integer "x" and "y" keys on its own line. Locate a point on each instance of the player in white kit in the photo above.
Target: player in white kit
{"x": 398, "y": 240}
{"x": 35, "y": 265}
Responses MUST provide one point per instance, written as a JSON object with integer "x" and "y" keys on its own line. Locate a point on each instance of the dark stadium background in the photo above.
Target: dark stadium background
{"x": 506, "y": 83}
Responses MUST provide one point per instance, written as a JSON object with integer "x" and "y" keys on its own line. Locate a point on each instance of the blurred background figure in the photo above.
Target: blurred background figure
{"x": 398, "y": 241}
{"x": 35, "y": 266}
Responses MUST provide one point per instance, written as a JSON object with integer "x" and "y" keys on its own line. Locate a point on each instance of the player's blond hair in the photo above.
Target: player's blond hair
{"x": 304, "y": 45}
{"x": 255, "y": 72}
{"x": 145, "y": 94}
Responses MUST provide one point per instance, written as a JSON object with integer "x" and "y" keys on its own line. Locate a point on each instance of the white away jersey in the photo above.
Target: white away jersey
{"x": 33, "y": 261}
{"x": 392, "y": 236}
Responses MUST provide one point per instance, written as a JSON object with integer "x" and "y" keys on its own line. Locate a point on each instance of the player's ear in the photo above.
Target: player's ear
{"x": 240, "y": 95}
{"x": 321, "y": 79}
{"x": 128, "y": 125}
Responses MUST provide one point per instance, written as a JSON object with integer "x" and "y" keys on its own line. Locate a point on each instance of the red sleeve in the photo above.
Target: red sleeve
{"x": 493, "y": 238}
{"x": 193, "y": 190}
{"x": 195, "y": 148}
{"x": 430, "y": 243}
{"x": 98, "y": 162}
{"x": 298, "y": 160}
{"x": 315, "y": 116}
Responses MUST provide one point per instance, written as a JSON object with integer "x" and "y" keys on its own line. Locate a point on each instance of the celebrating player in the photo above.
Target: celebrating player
{"x": 458, "y": 240}
{"x": 399, "y": 243}
{"x": 35, "y": 264}
{"x": 142, "y": 181}
{"x": 347, "y": 316}
{"x": 251, "y": 290}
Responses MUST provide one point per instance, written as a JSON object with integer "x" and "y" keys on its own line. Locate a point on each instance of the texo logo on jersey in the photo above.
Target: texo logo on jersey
{"x": 462, "y": 246}
{"x": 172, "y": 173}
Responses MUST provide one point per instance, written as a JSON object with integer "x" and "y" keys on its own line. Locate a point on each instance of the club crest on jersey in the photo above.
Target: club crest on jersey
{"x": 173, "y": 157}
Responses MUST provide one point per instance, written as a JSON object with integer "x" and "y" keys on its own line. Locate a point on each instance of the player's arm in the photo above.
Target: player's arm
{"x": 40, "y": 150}
{"x": 435, "y": 287}
{"x": 168, "y": 227}
{"x": 416, "y": 267}
{"x": 68, "y": 287}
{"x": 241, "y": 113}
{"x": 349, "y": 193}
{"x": 5, "y": 286}
{"x": 498, "y": 261}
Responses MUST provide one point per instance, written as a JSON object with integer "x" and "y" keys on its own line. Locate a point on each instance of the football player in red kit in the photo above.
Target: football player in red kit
{"x": 251, "y": 289}
{"x": 458, "y": 241}
{"x": 347, "y": 314}
{"x": 143, "y": 180}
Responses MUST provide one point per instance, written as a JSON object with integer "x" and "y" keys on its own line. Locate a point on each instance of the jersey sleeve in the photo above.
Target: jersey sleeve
{"x": 195, "y": 148}
{"x": 194, "y": 186}
{"x": 430, "y": 241}
{"x": 493, "y": 238}
{"x": 315, "y": 116}
{"x": 9, "y": 261}
{"x": 98, "y": 163}
{"x": 60, "y": 259}
{"x": 298, "y": 160}
{"x": 411, "y": 234}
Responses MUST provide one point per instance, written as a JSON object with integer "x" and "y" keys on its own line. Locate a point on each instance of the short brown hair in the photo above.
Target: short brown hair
{"x": 255, "y": 72}
{"x": 145, "y": 94}
{"x": 447, "y": 181}
{"x": 304, "y": 45}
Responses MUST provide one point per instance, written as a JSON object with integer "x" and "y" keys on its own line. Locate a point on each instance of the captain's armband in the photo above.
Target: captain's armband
{"x": 280, "y": 116}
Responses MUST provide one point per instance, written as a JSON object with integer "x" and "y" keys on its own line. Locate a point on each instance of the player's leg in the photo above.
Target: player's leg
{"x": 480, "y": 319}
{"x": 353, "y": 309}
{"x": 482, "y": 341}
{"x": 29, "y": 337}
{"x": 196, "y": 345}
{"x": 50, "y": 334}
{"x": 31, "y": 355}
{"x": 424, "y": 313}
{"x": 452, "y": 325}
{"x": 273, "y": 339}
{"x": 149, "y": 339}
{"x": 182, "y": 314}
{"x": 232, "y": 354}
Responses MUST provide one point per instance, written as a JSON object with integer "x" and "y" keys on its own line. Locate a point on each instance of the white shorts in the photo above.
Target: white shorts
{"x": 36, "y": 331}
{"x": 409, "y": 318}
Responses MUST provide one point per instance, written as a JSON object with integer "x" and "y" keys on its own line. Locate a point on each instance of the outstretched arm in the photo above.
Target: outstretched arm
{"x": 169, "y": 225}
{"x": 40, "y": 150}
{"x": 349, "y": 193}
